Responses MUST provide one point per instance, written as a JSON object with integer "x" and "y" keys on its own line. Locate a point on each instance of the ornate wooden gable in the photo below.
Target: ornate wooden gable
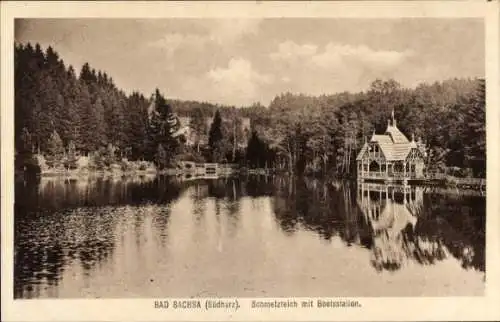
{"x": 373, "y": 152}
{"x": 414, "y": 155}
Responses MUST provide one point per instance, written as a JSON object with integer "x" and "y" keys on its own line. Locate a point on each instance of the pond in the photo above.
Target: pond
{"x": 254, "y": 236}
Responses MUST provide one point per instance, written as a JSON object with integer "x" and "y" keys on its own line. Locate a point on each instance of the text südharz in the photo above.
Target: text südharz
{"x": 196, "y": 304}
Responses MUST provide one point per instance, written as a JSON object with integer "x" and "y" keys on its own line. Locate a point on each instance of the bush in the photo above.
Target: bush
{"x": 70, "y": 164}
{"x": 97, "y": 160}
{"x": 125, "y": 166}
{"x": 31, "y": 166}
{"x": 143, "y": 166}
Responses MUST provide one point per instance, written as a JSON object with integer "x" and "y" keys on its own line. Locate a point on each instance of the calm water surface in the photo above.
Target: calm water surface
{"x": 249, "y": 237}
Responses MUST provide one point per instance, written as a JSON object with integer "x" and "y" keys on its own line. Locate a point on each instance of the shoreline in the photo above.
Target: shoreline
{"x": 76, "y": 174}
{"x": 100, "y": 173}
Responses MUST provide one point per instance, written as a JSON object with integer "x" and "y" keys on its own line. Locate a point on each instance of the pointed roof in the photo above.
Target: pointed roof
{"x": 396, "y": 135}
{"x": 393, "y": 143}
{"x": 362, "y": 151}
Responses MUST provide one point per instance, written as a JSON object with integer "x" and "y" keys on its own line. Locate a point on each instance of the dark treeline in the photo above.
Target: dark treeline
{"x": 52, "y": 104}
{"x": 61, "y": 113}
{"x": 207, "y": 109}
{"x": 309, "y": 133}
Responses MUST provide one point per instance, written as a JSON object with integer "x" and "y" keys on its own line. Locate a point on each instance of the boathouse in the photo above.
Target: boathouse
{"x": 391, "y": 156}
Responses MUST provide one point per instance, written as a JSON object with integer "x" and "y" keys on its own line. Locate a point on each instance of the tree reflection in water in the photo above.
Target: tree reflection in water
{"x": 60, "y": 221}
{"x": 397, "y": 223}
{"x": 83, "y": 223}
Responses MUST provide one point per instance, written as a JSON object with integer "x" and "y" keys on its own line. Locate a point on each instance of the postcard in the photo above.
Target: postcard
{"x": 250, "y": 161}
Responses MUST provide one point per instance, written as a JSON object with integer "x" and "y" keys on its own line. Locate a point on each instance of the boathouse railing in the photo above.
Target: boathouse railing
{"x": 428, "y": 176}
{"x": 392, "y": 175}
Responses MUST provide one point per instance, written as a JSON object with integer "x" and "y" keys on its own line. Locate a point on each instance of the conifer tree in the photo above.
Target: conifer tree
{"x": 161, "y": 157}
{"x": 27, "y": 144}
{"x": 198, "y": 127}
{"x": 160, "y": 127}
{"x": 55, "y": 151}
{"x": 215, "y": 138}
{"x": 71, "y": 158}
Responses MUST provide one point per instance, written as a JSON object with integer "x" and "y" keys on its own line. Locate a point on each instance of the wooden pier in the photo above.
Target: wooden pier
{"x": 205, "y": 169}
{"x": 427, "y": 179}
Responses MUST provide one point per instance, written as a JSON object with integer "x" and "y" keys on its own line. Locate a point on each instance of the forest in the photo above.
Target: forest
{"x": 62, "y": 115}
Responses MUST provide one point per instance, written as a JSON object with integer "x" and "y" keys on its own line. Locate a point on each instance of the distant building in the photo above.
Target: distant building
{"x": 391, "y": 156}
{"x": 180, "y": 125}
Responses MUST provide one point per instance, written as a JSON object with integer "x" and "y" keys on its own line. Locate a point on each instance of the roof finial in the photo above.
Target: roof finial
{"x": 413, "y": 137}
{"x": 392, "y": 114}
{"x": 388, "y": 123}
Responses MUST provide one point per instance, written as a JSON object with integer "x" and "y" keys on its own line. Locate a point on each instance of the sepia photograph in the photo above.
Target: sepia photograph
{"x": 220, "y": 157}
{"x": 271, "y": 158}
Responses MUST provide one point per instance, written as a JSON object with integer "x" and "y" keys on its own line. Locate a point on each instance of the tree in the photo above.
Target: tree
{"x": 161, "y": 157}
{"x": 27, "y": 144}
{"x": 198, "y": 127}
{"x": 24, "y": 155}
{"x": 235, "y": 135}
{"x": 110, "y": 155}
{"x": 55, "y": 151}
{"x": 71, "y": 157}
{"x": 215, "y": 138}
{"x": 160, "y": 127}
{"x": 136, "y": 122}
{"x": 474, "y": 130}
{"x": 257, "y": 151}
{"x": 70, "y": 119}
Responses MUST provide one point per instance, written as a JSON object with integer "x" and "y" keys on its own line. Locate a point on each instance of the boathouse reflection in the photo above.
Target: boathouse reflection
{"x": 391, "y": 211}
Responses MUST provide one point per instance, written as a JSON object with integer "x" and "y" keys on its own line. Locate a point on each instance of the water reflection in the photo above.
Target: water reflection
{"x": 405, "y": 230}
{"x": 152, "y": 236}
{"x": 392, "y": 212}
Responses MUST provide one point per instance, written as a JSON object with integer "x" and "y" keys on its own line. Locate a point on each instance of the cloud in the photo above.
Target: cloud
{"x": 335, "y": 55}
{"x": 220, "y": 31}
{"x": 238, "y": 80}
{"x": 289, "y": 50}
{"x": 238, "y": 70}
{"x": 332, "y": 67}
{"x": 237, "y": 83}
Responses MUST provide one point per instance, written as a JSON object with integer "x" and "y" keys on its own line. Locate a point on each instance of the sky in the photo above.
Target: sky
{"x": 243, "y": 61}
